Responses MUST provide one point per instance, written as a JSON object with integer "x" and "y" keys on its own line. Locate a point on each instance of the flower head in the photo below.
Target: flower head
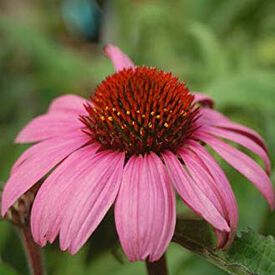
{"x": 141, "y": 110}
{"x": 141, "y": 136}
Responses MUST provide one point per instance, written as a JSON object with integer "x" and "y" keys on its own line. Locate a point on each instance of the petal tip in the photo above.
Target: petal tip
{"x": 5, "y": 205}
{"x": 119, "y": 59}
{"x": 73, "y": 250}
{"x": 224, "y": 226}
{"x": 19, "y": 138}
{"x": 3, "y": 211}
{"x": 107, "y": 48}
{"x": 42, "y": 243}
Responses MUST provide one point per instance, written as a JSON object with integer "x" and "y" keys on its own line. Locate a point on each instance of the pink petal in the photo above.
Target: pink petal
{"x": 244, "y": 141}
{"x": 48, "y": 126}
{"x": 214, "y": 118}
{"x": 211, "y": 117}
{"x": 192, "y": 194}
{"x": 223, "y": 187}
{"x": 145, "y": 209}
{"x": 119, "y": 59}
{"x": 55, "y": 193}
{"x": 94, "y": 194}
{"x": 203, "y": 99}
{"x": 204, "y": 180}
{"x": 43, "y": 146}
{"x": 45, "y": 156}
{"x": 68, "y": 104}
{"x": 242, "y": 163}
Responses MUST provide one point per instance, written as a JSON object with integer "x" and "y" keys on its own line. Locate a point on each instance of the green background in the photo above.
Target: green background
{"x": 225, "y": 48}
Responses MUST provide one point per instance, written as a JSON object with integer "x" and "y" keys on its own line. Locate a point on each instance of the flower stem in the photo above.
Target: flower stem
{"x": 157, "y": 268}
{"x": 33, "y": 252}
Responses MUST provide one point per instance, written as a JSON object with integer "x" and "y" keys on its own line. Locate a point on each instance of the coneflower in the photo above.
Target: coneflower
{"x": 141, "y": 136}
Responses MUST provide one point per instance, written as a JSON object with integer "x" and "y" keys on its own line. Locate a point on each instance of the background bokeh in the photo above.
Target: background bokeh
{"x": 225, "y": 48}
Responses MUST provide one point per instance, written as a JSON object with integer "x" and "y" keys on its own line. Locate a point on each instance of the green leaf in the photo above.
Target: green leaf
{"x": 250, "y": 253}
{"x": 193, "y": 234}
{"x": 7, "y": 270}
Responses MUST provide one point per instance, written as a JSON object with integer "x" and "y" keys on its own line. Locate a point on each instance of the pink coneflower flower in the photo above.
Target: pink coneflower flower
{"x": 141, "y": 136}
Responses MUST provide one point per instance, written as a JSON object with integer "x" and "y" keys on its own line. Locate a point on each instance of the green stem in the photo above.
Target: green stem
{"x": 157, "y": 268}
{"x": 33, "y": 252}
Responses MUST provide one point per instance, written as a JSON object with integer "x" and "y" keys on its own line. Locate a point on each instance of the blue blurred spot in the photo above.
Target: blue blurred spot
{"x": 82, "y": 17}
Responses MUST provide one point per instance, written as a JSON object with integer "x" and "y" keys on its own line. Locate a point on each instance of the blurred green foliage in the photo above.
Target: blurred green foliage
{"x": 225, "y": 48}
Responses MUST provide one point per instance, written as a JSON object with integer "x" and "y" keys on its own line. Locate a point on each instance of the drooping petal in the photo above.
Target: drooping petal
{"x": 223, "y": 188}
{"x": 55, "y": 193}
{"x": 68, "y": 104}
{"x": 244, "y": 141}
{"x": 204, "y": 180}
{"x": 214, "y": 118}
{"x": 145, "y": 208}
{"x": 48, "y": 126}
{"x": 203, "y": 99}
{"x": 95, "y": 193}
{"x": 192, "y": 194}
{"x": 119, "y": 59}
{"x": 242, "y": 163}
{"x": 44, "y": 157}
